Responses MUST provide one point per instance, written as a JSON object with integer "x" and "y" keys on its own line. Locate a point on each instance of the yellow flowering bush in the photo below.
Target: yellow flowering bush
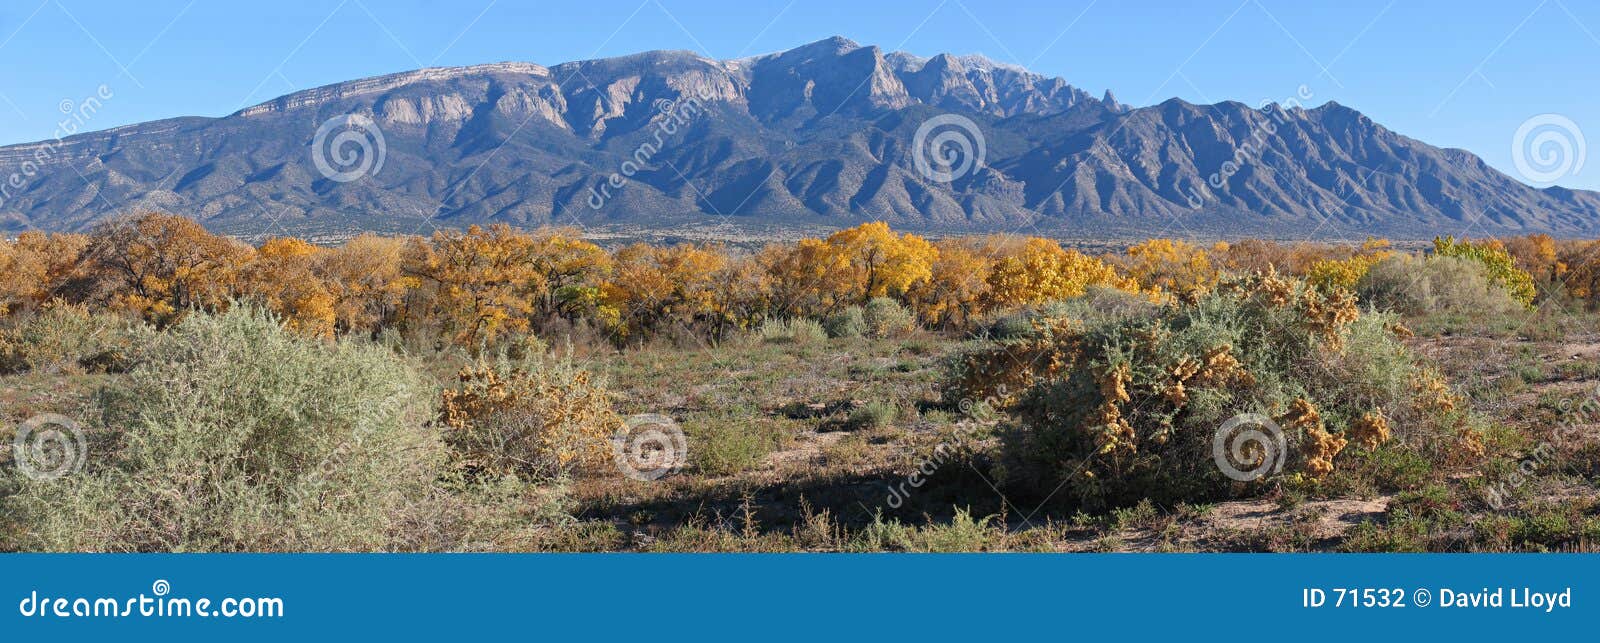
{"x": 1330, "y": 274}
{"x": 1492, "y": 255}
{"x": 1114, "y": 410}
{"x": 531, "y": 419}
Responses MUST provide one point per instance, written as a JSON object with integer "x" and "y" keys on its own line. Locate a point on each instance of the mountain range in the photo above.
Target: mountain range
{"x": 827, "y": 134}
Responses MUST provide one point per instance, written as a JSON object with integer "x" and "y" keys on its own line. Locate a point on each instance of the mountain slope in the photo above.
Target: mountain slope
{"x": 824, "y": 133}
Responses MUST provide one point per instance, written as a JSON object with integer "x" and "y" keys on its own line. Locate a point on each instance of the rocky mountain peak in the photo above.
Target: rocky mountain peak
{"x": 820, "y": 133}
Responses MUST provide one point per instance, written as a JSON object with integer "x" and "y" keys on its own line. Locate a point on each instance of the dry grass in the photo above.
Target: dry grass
{"x": 793, "y": 447}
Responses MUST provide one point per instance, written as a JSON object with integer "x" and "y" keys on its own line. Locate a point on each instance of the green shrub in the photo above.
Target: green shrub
{"x": 850, "y": 322}
{"x": 886, "y": 318}
{"x": 1433, "y": 285}
{"x": 234, "y": 435}
{"x": 1103, "y": 304}
{"x": 63, "y": 336}
{"x": 1005, "y": 326}
{"x": 962, "y": 534}
{"x": 1496, "y": 261}
{"x": 1115, "y": 411}
{"x": 731, "y": 443}
{"x": 1097, "y": 304}
{"x": 873, "y": 415}
{"x": 796, "y": 330}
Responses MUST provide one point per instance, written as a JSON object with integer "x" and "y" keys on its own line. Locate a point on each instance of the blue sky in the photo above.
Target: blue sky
{"x": 1455, "y": 74}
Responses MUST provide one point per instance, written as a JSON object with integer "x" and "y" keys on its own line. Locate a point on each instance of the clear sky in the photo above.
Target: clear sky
{"x": 1452, "y": 73}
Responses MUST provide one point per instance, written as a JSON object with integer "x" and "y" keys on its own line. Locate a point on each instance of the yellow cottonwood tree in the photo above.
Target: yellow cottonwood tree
{"x": 568, "y": 270}
{"x": 37, "y": 267}
{"x": 1040, "y": 270}
{"x": 1581, "y": 262}
{"x": 1328, "y": 274}
{"x": 879, "y": 262}
{"x": 958, "y": 281}
{"x": 1537, "y": 255}
{"x": 159, "y": 266}
{"x": 652, "y": 287}
{"x": 808, "y": 279}
{"x": 484, "y": 280}
{"x": 367, "y": 282}
{"x": 1171, "y": 266}
{"x": 282, "y": 276}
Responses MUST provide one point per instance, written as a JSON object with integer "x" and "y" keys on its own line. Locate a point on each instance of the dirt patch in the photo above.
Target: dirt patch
{"x": 808, "y": 447}
{"x": 1586, "y": 348}
{"x": 1318, "y": 524}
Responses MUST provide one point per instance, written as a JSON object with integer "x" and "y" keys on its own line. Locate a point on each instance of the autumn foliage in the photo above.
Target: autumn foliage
{"x": 531, "y": 419}
{"x": 484, "y": 286}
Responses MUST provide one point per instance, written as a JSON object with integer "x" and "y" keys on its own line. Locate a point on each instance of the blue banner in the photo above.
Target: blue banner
{"x": 795, "y": 597}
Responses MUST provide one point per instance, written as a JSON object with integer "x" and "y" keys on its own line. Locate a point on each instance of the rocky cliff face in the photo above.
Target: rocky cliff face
{"x": 824, "y": 133}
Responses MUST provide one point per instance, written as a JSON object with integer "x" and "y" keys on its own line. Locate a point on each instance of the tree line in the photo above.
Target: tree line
{"x": 483, "y": 284}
